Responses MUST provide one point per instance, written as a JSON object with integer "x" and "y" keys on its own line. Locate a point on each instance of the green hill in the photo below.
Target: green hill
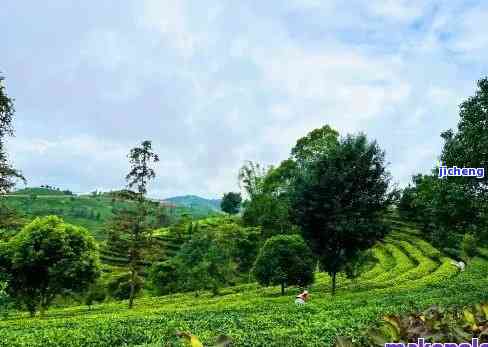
{"x": 408, "y": 274}
{"x": 89, "y": 211}
{"x": 44, "y": 191}
{"x": 196, "y": 203}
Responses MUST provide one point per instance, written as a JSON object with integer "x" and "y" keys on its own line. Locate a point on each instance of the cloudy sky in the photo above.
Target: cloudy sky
{"x": 214, "y": 83}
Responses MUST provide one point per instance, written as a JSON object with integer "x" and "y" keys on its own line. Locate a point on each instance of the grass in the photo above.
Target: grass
{"x": 409, "y": 275}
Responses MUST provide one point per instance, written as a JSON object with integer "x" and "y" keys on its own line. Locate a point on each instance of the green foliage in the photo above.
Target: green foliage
{"x": 96, "y": 293}
{"x": 284, "y": 260}
{"x": 132, "y": 226}
{"x": 231, "y": 202}
{"x": 47, "y": 258}
{"x": 448, "y": 208}
{"x": 91, "y": 213}
{"x": 203, "y": 264}
{"x": 312, "y": 147}
{"x": 339, "y": 201}
{"x": 43, "y": 191}
{"x": 435, "y": 324}
{"x": 270, "y": 213}
{"x": 196, "y": 206}
{"x": 268, "y": 205}
{"x": 445, "y": 208}
{"x": 141, "y": 172}
{"x": 163, "y": 277}
{"x": 251, "y": 176}
{"x": 75, "y": 210}
{"x": 469, "y": 246}
{"x": 8, "y": 175}
{"x": 214, "y": 251}
{"x": 130, "y": 232}
{"x": 10, "y": 221}
{"x": 242, "y": 243}
{"x": 269, "y": 188}
{"x": 120, "y": 287}
{"x": 256, "y": 316}
{"x": 6, "y": 301}
{"x": 357, "y": 265}
{"x": 466, "y": 147}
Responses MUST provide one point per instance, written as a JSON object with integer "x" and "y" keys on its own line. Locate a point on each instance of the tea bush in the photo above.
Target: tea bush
{"x": 405, "y": 278}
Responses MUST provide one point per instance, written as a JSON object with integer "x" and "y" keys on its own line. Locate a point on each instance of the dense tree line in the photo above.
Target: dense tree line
{"x": 332, "y": 190}
{"x": 450, "y": 208}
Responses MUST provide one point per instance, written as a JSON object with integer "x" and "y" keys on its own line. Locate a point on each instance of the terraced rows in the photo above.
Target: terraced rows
{"x": 408, "y": 271}
{"x": 114, "y": 257}
{"x": 402, "y": 260}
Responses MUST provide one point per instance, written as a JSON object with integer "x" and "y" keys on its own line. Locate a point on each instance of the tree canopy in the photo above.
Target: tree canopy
{"x": 339, "y": 201}
{"x": 231, "y": 202}
{"x": 49, "y": 257}
{"x": 449, "y": 207}
{"x": 284, "y": 260}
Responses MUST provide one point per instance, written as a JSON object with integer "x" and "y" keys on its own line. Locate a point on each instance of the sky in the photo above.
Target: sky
{"x": 215, "y": 83}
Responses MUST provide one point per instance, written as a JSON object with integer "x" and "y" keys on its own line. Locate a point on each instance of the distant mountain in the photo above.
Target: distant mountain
{"x": 195, "y": 202}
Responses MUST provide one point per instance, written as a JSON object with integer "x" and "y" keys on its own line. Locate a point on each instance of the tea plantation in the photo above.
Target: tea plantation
{"x": 409, "y": 274}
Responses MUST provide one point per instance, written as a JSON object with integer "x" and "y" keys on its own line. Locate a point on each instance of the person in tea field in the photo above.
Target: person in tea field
{"x": 302, "y": 298}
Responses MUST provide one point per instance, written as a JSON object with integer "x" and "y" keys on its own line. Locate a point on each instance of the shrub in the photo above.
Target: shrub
{"x": 163, "y": 277}
{"x": 284, "y": 260}
{"x": 47, "y": 258}
{"x": 435, "y": 324}
{"x": 119, "y": 287}
{"x": 95, "y": 294}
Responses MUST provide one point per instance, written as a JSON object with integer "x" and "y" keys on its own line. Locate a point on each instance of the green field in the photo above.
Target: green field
{"x": 409, "y": 274}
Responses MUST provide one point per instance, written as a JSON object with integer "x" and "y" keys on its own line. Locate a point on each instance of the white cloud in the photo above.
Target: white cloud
{"x": 215, "y": 83}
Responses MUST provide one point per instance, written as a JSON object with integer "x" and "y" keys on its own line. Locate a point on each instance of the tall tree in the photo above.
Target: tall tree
{"x": 231, "y": 202}
{"x": 312, "y": 147}
{"x": 251, "y": 177}
{"x": 8, "y": 175}
{"x": 339, "y": 199}
{"x": 141, "y": 172}
{"x": 269, "y": 189}
{"x": 130, "y": 228}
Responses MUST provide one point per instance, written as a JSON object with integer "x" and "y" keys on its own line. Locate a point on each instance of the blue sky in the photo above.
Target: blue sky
{"x": 214, "y": 83}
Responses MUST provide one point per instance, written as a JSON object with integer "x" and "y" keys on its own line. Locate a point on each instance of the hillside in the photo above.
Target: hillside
{"x": 88, "y": 211}
{"x": 196, "y": 202}
{"x": 408, "y": 274}
{"x": 44, "y": 191}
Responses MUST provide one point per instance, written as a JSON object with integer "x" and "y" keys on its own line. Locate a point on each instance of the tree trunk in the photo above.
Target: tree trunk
{"x": 132, "y": 289}
{"x": 42, "y": 306}
{"x": 334, "y": 282}
{"x": 282, "y": 288}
